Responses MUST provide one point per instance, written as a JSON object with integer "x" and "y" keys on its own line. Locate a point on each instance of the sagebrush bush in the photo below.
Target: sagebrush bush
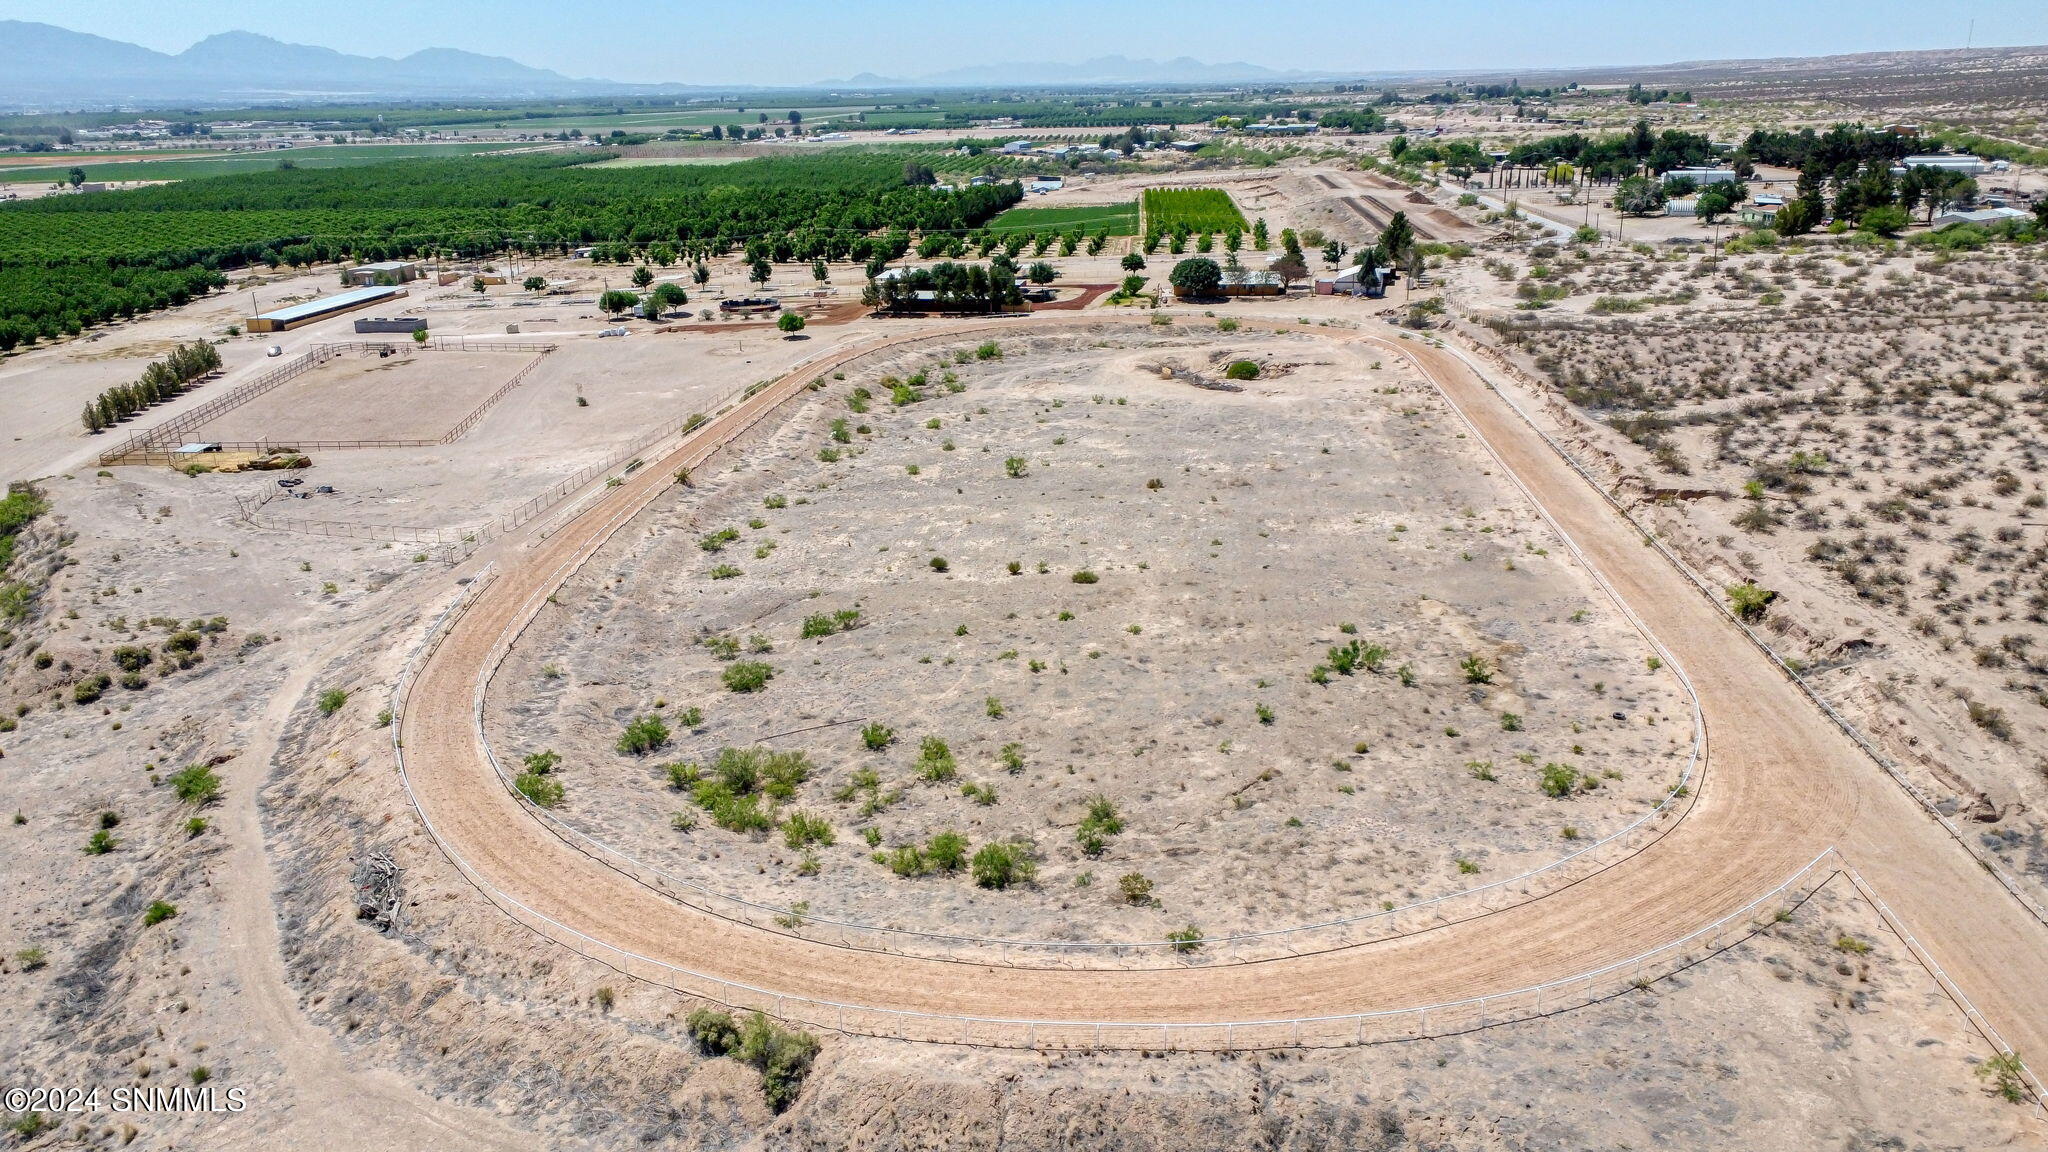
{"x": 544, "y": 791}
{"x": 196, "y": 784}
{"x": 747, "y": 676}
{"x": 1003, "y": 864}
{"x": 643, "y": 734}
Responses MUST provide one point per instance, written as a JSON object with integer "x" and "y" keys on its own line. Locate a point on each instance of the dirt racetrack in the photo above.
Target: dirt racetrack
{"x": 1782, "y": 786}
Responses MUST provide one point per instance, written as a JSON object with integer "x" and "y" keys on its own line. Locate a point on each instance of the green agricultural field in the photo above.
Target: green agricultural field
{"x": 1194, "y": 210}
{"x": 666, "y": 161}
{"x": 599, "y": 122}
{"x": 1115, "y": 219}
{"x": 224, "y": 163}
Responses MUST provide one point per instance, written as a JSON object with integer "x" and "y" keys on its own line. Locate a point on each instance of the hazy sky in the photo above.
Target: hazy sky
{"x": 797, "y": 41}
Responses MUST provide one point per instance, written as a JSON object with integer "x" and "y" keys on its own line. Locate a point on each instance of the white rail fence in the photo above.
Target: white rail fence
{"x": 1399, "y": 1023}
{"x": 1989, "y": 863}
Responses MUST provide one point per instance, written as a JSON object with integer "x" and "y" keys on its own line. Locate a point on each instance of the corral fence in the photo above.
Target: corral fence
{"x": 154, "y": 445}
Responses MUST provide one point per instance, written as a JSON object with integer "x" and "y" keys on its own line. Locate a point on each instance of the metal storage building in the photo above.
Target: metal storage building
{"x": 285, "y": 319}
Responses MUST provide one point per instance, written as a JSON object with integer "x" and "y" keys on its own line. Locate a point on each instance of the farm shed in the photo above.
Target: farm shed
{"x": 384, "y": 272}
{"x": 285, "y": 319}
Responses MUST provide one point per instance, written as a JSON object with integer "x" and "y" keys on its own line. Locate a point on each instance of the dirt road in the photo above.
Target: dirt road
{"x": 1781, "y": 786}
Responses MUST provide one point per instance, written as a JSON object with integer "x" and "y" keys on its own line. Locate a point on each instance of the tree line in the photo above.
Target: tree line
{"x": 161, "y": 381}
{"x": 948, "y": 287}
{"x": 69, "y": 262}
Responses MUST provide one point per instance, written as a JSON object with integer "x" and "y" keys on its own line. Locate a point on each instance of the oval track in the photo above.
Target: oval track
{"x": 1783, "y": 786}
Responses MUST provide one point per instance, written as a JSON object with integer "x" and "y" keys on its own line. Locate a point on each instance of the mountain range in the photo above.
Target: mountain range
{"x": 42, "y": 63}
{"x": 42, "y": 66}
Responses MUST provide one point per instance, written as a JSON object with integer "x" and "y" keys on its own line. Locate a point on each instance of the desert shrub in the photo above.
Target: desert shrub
{"x": 1749, "y": 601}
{"x": 717, "y": 541}
{"x": 725, "y": 572}
{"x": 1098, "y": 824}
{"x": 1559, "y": 780}
{"x": 783, "y": 1056}
{"x": 877, "y": 736}
{"x": 939, "y": 564}
{"x": 331, "y": 701}
{"x": 643, "y": 734}
{"x": 935, "y": 763}
{"x": 730, "y": 811}
{"x": 1991, "y": 719}
{"x": 1135, "y": 887}
{"x": 826, "y": 623}
{"x": 904, "y": 860}
{"x": 1348, "y": 658}
{"x": 2006, "y": 1072}
{"x": 764, "y": 770}
{"x": 1242, "y": 370}
{"x": 544, "y": 791}
{"x": 946, "y": 852}
{"x": 542, "y": 763}
{"x": 1476, "y": 669}
{"x": 994, "y": 708}
{"x": 1084, "y": 576}
{"x": 158, "y": 912}
{"x": 101, "y": 843}
{"x": 132, "y": 658}
{"x": 1016, "y": 466}
{"x": 802, "y": 830}
{"x": 90, "y": 689}
{"x": 1003, "y": 864}
{"x": 196, "y": 784}
{"x": 747, "y": 676}
{"x": 715, "y": 1032}
{"x": 989, "y": 351}
{"x": 1012, "y": 756}
{"x": 1187, "y": 939}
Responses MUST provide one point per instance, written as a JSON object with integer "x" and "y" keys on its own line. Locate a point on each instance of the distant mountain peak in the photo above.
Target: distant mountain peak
{"x": 42, "y": 62}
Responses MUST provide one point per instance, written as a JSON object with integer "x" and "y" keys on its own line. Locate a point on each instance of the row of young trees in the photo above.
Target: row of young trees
{"x": 1394, "y": 249}
{"x": 161, "y": 381}
{"x": 947, "y": 287}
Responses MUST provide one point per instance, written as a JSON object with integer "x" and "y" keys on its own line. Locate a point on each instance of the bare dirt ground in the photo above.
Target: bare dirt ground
{"x": 410, "y": 396}
{"x": 1334, "y": 492}
{"x": 451, "y": 1001}
{"x": 457, "y": 1027}
{"x": 1887, "y": 408}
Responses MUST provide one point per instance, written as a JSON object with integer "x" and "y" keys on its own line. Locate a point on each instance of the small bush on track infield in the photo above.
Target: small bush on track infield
{"x": 643, "y": 734}
{"x": 747, "y": 676}
{"x": 544, "y": 791}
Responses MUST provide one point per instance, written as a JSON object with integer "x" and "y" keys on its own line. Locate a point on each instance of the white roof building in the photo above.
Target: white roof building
{"x": 1979, "y": 216}
{"x": 1967, "y": 165}
{"x": 1702, "y": 175}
